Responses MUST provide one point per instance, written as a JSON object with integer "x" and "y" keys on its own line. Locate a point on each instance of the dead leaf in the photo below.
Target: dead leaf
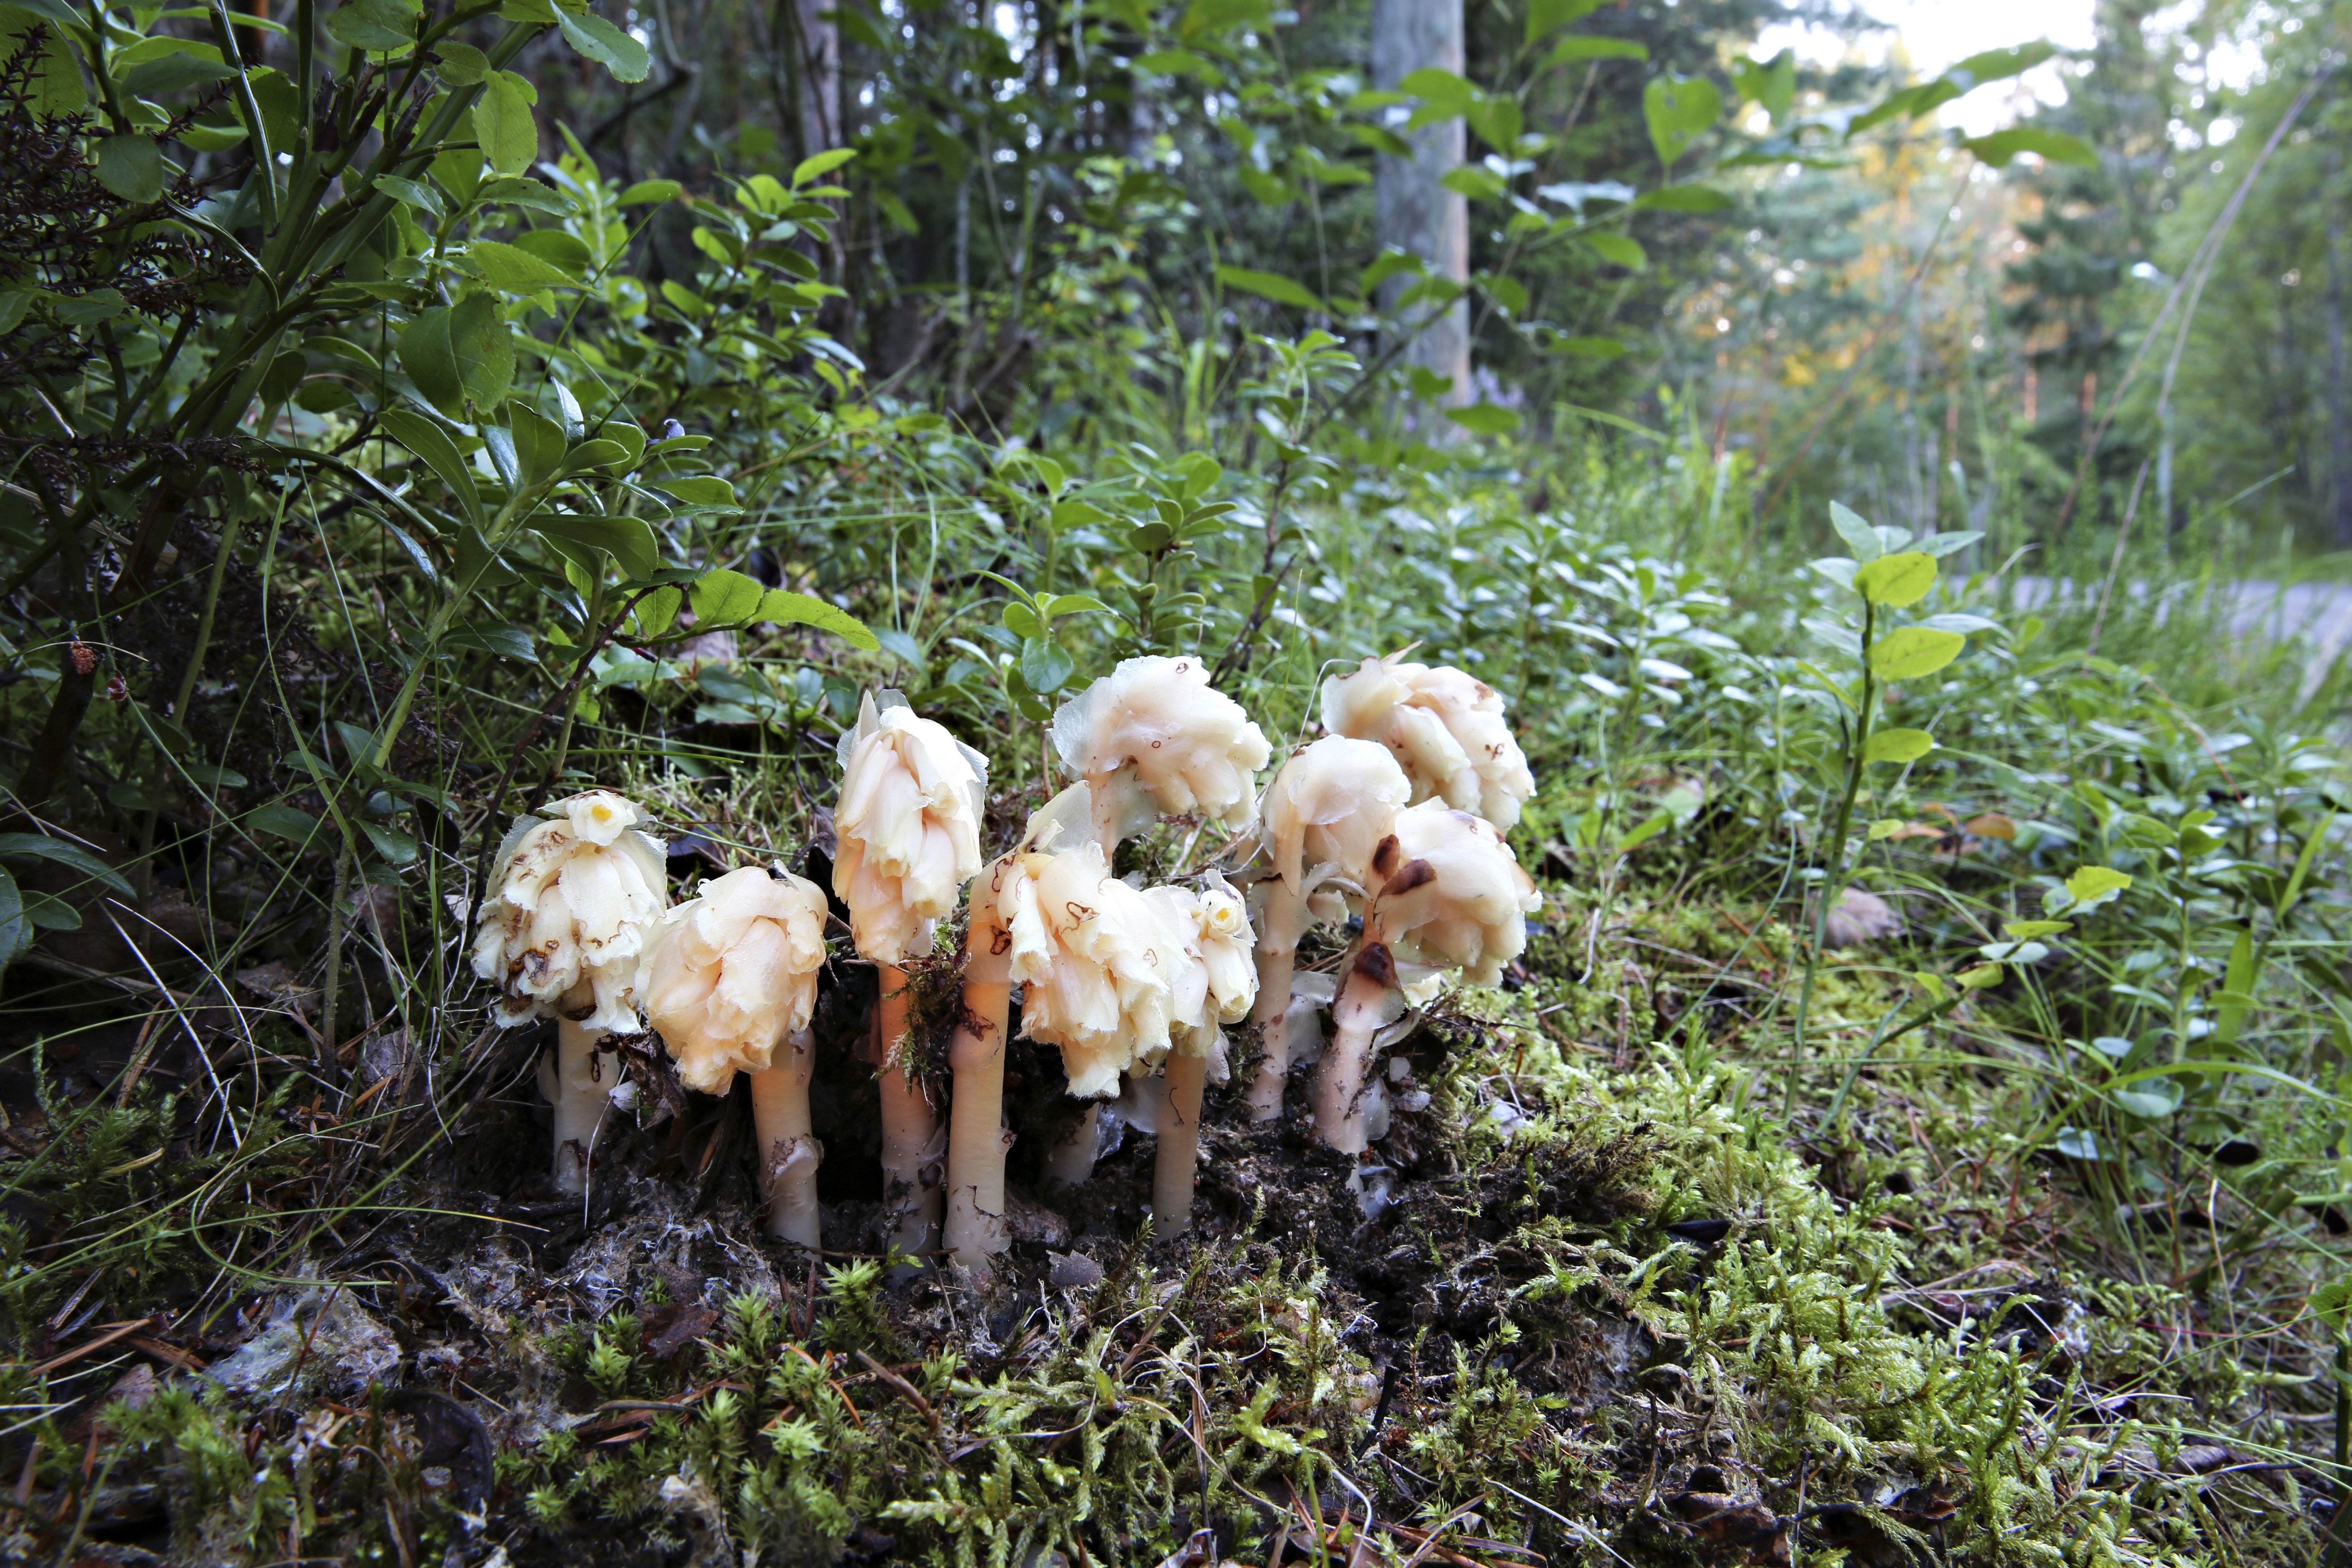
{"x": 1727, "y": 1521}
{"x": 277, "y": 983}
{"x": 686, "y": 1325}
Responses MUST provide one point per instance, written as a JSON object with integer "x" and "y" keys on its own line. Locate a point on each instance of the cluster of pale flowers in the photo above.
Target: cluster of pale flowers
{"x": 1396, "y": 816}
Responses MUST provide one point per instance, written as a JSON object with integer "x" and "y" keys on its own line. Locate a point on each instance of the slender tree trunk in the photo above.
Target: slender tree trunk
{"x": 811, "y": 48}
{"x": 1417, "y": 214}
{"x": 2339, "y": 396}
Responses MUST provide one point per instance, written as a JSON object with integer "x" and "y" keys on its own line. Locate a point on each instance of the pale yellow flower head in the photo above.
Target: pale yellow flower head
{"x": 565, "y": 924}
{"x": 727, "y": 975}
{"x": 907, "y": 827}
{"x": 599, "y": 816}
{"x": 1157, "y": 739}
{"x": 1445, "y": 726}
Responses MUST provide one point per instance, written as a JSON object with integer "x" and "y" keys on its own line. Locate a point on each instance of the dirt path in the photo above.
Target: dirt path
{"x": 2319, "y": 614}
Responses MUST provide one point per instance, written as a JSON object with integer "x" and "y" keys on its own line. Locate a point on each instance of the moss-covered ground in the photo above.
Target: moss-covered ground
{"x": 1598, "y": 1301}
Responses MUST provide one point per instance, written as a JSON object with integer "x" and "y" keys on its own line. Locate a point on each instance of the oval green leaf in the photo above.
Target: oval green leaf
{"x": 788, "y": 608}
{"x": 1897, "y": 581}
{"x": 1271, "y": 286}
{"x": 726, "y": 598}
{"x": 1914, "y": 651}
{"x": 1897, "y": 746}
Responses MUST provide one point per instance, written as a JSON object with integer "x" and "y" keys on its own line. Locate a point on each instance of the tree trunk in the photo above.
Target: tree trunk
{"x": 1416, "y": 214}
{"x": 816, "y": 50}
{"x": 2339, "y": 396}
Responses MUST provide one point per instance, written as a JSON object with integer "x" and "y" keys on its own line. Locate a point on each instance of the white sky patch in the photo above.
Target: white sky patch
{"x": 1936, "y": 34}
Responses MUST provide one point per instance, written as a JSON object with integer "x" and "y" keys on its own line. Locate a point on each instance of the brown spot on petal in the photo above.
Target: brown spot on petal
{"x": 1375, "y": 965}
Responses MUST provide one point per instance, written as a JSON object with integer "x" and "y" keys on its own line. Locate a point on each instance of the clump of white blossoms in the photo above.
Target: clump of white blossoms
{"x": 729, "y": 980}
{"x": 562, "y": 936}
{"x": 1153, "y": 738}
{"x": 907, "y": 827}
{"x": 1445, "y": 727}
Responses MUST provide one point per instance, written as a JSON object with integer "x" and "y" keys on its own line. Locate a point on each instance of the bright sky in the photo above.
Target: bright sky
{"x": 1938, "y": 33}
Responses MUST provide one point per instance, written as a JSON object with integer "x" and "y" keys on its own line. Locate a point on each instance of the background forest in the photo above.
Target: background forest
{"x": 1897, "y": 509}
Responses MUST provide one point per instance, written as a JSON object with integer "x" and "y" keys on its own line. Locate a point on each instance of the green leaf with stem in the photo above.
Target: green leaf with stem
{"x": 1910, "y": 652}
{"x": 1897, "y": 581}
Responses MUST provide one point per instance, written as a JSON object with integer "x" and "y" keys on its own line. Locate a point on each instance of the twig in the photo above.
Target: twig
{"x": 119, "y": 1332}
{"x": 912, "y": 1395}
{"x": 141, "y": 1052}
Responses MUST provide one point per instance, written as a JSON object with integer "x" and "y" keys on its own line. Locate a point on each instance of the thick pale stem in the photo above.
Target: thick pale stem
{"x": 1340, "y": 1104}
{"x": 1277, "y": 956}
{"x": 1180, "y": 1144}
{"x": 909, "y": 1129}
{"x": 1073, "y": 1159}
{"x": 976, "y": 1137}
{"x": 580, "y": 1089}
{"x": 789, "y": 1151}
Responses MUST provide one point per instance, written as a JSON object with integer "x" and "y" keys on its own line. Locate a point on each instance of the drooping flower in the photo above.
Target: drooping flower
{"x": 1450, "y": 896}
{"x": 1214, "y": 984}
{"x": 1218, "y": 980}
{"x": 1330, "y": 805}
{"x": 908, "y": 826}
{"x": 562, "y": 932}
{"x": 1469, "y": 912}
{"x": 562, "y": 936}
{"x": 1154, "y": 739}
{"x": 1445, "y": 726}
{"x": 729, "y": 974}
{"x": 1094, "y": 962}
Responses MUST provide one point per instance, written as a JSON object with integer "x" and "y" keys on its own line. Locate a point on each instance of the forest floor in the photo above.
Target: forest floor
{"x": 1609, "y": 1290}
